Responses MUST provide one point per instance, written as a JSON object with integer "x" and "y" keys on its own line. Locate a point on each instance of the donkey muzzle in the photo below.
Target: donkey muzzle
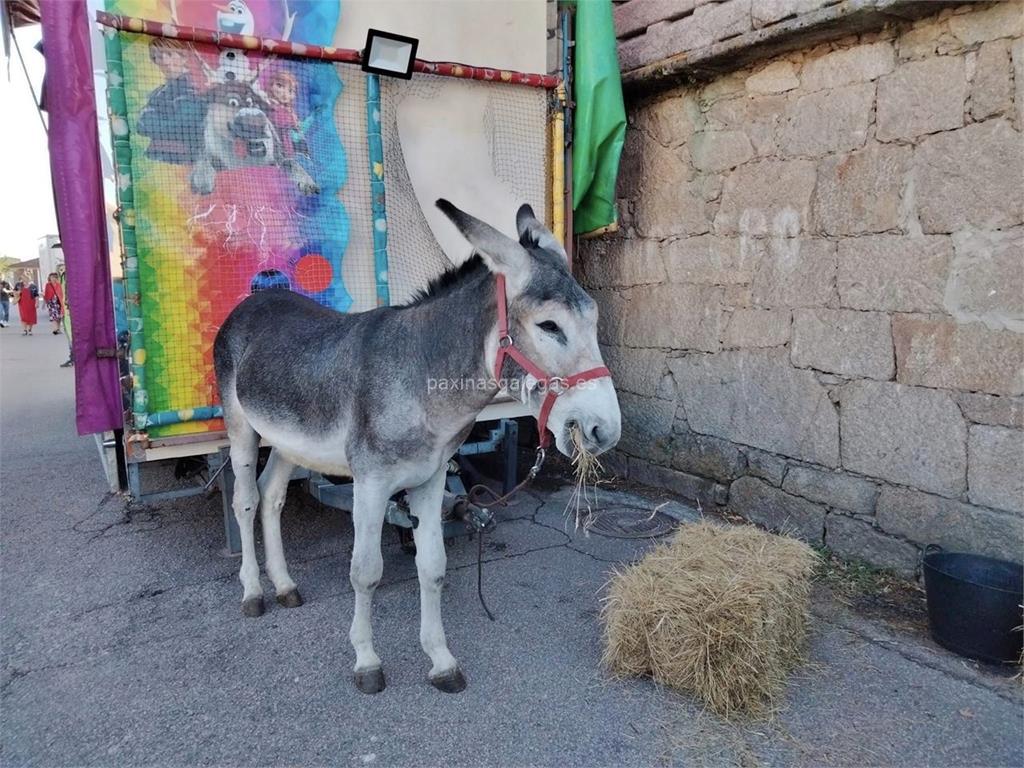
{"x": 599, "y": 434}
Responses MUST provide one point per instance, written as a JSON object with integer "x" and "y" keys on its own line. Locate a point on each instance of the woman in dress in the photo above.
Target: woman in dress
{"x": 53, "y": 297}
{"x": 27, "y": 294}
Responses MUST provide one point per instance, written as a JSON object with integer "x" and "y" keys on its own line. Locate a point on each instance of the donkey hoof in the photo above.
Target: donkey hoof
{"x": 452, "y": 681}
{"x": 252, "y": 607}
{"x": 290, "y": 599}
{"x": 370, "y": 680}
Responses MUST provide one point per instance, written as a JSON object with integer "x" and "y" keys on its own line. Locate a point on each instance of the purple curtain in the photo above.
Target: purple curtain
{"x": 78, "y": 191}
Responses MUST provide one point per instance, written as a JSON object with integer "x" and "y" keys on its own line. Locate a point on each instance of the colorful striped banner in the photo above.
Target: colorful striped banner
{"x": 122, "y": 149}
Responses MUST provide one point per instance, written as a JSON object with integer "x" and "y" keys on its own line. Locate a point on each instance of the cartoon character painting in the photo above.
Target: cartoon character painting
{"x": 238, "y": 133}
{"x": 236, "y": 18}
{"x": 173, "y": 115}
{"x": 282, "y": 90}
{"x": 238, "y": 180}
{"x": 233, "y": 66}
{"x": 235, "y": 122}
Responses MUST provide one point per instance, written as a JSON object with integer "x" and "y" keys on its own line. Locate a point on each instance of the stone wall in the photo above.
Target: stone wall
{"x": 814, "y": 309}
{"x": 661, "y": 38}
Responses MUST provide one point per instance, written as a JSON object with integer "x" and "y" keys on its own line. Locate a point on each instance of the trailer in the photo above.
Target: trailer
{"x": 168, "y": 219}
{"x": 336, "y": 204}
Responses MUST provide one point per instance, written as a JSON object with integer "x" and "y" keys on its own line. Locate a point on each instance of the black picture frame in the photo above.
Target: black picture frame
{"x": 379, "y": 33}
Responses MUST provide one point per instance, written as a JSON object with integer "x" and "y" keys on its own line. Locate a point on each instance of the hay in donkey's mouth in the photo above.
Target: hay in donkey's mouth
{"x": 719, "y": 611}
{"x": 587, "y": 473}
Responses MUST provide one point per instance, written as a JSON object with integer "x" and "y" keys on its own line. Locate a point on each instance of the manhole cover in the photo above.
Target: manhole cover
{"x": 631, "y": 523}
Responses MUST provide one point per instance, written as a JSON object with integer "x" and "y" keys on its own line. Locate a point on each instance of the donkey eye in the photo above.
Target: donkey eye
{"x": 232, "y": 102}
{"x": 550, "y": 327}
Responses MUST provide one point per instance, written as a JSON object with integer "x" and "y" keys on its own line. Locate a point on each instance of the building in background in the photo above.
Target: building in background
{"x": 51, "y": 255}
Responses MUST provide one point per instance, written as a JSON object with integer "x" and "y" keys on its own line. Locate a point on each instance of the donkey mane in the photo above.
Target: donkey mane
{"x": 448, "y": 280}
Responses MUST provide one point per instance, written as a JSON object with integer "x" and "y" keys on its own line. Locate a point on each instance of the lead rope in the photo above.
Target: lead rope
{"x": 473, "y": 496}
{"x": 480, "y": 573}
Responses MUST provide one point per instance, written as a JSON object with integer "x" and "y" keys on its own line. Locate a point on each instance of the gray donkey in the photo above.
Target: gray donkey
{"x": 355, "y": 395}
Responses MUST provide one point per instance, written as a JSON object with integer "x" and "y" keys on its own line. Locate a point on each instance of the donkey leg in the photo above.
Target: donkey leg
{"x": 425, "y": 503}
{"x": 273, "y": 487}
{"x": 368, "y": 506}
{"x": 246, "y": 497}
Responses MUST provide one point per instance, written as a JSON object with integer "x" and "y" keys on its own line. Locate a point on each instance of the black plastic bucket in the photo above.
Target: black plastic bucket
{"x": 974, "y": 604}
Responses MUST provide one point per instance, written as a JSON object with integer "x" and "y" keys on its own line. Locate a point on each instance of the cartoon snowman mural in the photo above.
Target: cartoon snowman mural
{"x": 236, "y": 18}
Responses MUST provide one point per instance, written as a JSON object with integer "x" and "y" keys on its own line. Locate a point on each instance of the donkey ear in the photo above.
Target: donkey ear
{"x": 533, "y": 233}
{"x": 502, "y": 253}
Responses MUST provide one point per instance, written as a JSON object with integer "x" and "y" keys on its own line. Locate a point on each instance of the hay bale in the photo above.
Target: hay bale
{"x": 718, "y": 611}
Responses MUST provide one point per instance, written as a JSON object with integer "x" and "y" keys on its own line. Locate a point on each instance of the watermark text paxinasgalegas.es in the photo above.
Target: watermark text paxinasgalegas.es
{"x": 486, "y": 384}
{"x": 468, "y": 384}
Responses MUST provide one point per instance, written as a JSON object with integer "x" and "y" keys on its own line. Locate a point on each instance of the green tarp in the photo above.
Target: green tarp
{"x": 600, "y": 119}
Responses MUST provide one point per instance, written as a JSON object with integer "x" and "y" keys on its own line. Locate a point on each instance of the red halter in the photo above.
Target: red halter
{"x": 554, "y": 385}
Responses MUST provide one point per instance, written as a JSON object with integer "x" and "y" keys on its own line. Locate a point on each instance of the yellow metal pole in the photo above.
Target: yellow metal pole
{"x": 558, "y": 167}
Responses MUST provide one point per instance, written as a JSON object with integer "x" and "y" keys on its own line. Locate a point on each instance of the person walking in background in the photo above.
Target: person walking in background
{"x": 5, "y": 303}
{"x": 53, "y": 297}
{"x": 27, "y": 294}
{"x": 62, "y": 271}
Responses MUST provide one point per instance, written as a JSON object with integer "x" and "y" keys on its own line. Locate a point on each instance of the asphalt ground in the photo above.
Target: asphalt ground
{"x": 123, "y": 643}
